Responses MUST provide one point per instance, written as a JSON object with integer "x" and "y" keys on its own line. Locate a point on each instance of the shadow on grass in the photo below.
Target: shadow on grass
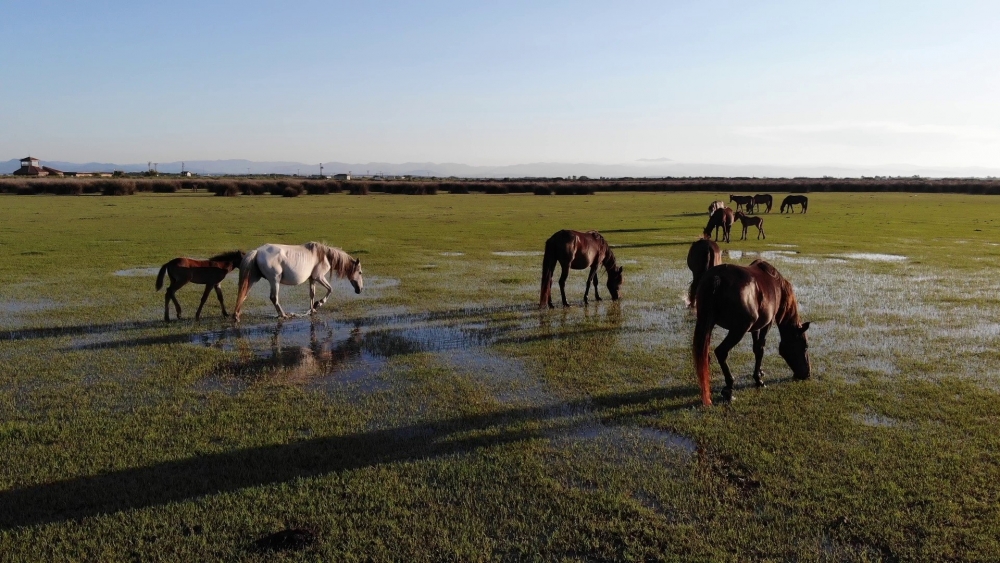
{"x": 180, "y": 480}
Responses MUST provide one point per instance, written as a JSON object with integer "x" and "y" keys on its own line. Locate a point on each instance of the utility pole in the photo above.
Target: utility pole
{"x": 320, "y": 169}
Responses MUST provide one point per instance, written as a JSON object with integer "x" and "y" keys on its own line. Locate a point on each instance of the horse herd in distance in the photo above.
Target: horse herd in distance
{"x": 741, "y": 299}
{"x": 722, "y": 217}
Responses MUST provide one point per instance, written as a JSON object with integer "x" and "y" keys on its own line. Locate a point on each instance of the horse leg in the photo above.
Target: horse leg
{"x": 591, "y": 279}
{"x": 721, "y": 353}
{"x": 204, "y": 297}
{"x": 562, "y": 282}
{"x": 597, "y": 297}
{"x": 759, "y": 341}
{"x": 166, "y": 305}
{"x": 274, "y": 297}
{"x": 760, "y": 231}
{"x": 312, "y": 296}
{"x": 329, "y": 289}
{"x": 222, "y": 303}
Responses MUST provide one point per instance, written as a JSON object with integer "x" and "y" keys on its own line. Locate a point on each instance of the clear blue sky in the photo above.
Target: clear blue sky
{"x": 503, "y": 82}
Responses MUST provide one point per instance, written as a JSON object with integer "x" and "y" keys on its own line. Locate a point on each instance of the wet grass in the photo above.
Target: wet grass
{"x": 440, "y": 416}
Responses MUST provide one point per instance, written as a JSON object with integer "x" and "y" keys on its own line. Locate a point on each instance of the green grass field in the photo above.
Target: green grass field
{"x": 440, "y": 416}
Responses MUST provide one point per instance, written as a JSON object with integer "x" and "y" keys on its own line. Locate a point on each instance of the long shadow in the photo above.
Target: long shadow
{"x": 179, "y": 480}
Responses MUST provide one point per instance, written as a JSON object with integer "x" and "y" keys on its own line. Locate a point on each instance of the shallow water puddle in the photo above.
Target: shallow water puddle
{"x": 873, "y": 257}
{"x": 137, "y": 272}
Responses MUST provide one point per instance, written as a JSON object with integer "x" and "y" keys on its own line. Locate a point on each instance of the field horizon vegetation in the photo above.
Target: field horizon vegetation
{"x": 440, "y": 415}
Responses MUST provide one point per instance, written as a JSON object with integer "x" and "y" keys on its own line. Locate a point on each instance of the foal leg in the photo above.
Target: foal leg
{"x": 721, "y": 353}
{"x": 222, "y": 303}
{"x": 562, "y": 282}
{"x": 204, "y": 297}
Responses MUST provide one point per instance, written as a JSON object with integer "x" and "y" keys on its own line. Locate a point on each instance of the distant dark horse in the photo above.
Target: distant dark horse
{"x": 746, "y": 299}
{"x": 762, "y": 199}
{"x": 748, "y": 221}
{"x": 703, "y": 255}
{"x": 576, "y": 250}
{"x": 742, "y": 201}
{"x": 209, "y": 272}
{"x": 722, "y": 218}
{"x": 795, "y": 200}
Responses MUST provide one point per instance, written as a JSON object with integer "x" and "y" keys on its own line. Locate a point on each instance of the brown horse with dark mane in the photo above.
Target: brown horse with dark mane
{"x": 746, "y": 299}
{"x": 751, "y": 221}
{"x": 702, "y": 255}
{"x": 742, "y": 201}
{"x": 762, "y": 199}
{"x": 579, "y": 251}
{"x": 722, "y": 218}
{"x": 209, "y": 272}
{"x": 795, "y": 200}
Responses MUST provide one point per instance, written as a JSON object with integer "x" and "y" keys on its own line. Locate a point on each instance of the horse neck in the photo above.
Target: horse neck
{"x": 788, "y": 309}
{"x": 338, "y": 260}
{"x": 609, "y": 259}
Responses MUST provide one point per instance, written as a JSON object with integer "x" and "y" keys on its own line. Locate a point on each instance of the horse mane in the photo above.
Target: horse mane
{"x": 341, "y": 262}
{"x": 609, "y": 260}
{"x": 231, "y": 256}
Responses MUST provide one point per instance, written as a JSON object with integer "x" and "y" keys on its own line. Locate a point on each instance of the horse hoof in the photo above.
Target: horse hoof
{"x": 727, "y": 394}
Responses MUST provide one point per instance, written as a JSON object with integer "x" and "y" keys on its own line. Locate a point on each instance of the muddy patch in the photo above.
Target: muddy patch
{"x": 15, "y": 307}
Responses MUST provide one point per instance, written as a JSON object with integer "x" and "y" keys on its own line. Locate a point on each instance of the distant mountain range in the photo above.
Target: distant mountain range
{"x": 649, "y": 168}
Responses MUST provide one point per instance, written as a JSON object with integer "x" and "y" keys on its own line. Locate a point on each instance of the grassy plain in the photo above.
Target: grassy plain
{"x": 439, "y": 416}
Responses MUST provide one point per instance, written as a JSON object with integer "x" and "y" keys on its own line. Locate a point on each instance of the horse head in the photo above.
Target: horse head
{"x": 615, "y": 280}
{"x": 355, "y": 275}
{"x": 794, "y": 348}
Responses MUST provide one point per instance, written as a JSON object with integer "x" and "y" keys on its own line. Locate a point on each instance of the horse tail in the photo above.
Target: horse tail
{"x": 249, "y": 273}
{"x": 548, "y": 268}
{"x": 159, "y": 277}
{"x": 703, "y": 338}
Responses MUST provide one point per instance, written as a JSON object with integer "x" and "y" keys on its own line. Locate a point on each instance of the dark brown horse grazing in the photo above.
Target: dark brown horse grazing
{"x": 742, "y": 201}
{"x": 576, "y": 250}
{"x": 209, "y": 272}
{"x": 722, "y": 218}
{"x": 746, "y": 299}
{"x": 762, "y": 199}
{"x": 795, "y": 200}
{"x": 748, "y": 221}
{"x": 703, "y": 255}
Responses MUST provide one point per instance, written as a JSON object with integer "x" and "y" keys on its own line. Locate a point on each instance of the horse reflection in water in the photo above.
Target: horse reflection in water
{"x": 325, "y": 354}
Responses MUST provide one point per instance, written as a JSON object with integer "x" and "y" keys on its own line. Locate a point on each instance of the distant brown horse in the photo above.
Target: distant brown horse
{"x": 722, "y": 218}
{"x": 762, "y": 199}
{"x": 795, "y": 200}
{"x": 717, "y": 204}
{"x": 748, "y": 221}
{"x": 209, "y": 272}
{"x": 746, "y": 299}
{"x": 703, "y": 255}
{"x": 742, "y": 201}
{"x": 576, "y": 250}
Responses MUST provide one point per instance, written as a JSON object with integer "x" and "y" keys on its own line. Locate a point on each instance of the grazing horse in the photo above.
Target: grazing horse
{"x": 717, "y": 204}
{"x": 746, "y": 299}
{"x": 183, "y": 271}
{"x": 703, "y": 255}
{"x": 576, "y": 250}
{"x": 742, "y": 201}
{"x": 721, "y": 218}
{"x": 284, "y": 264}
{"x": 762, "y": 199}
{"x": 747, "y": 221}
{"x": 795, "y": 200}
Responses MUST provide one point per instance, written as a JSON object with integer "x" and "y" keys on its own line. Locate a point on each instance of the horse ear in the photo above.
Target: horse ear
{"x": 805, "y": 327}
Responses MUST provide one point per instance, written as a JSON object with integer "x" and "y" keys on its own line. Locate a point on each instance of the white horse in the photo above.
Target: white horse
{"x": 717, "y": 204}
{"x": 284, "y": 264}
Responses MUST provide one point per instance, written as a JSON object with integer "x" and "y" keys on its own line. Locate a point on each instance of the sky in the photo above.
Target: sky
{"x": 496, "y": 83}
